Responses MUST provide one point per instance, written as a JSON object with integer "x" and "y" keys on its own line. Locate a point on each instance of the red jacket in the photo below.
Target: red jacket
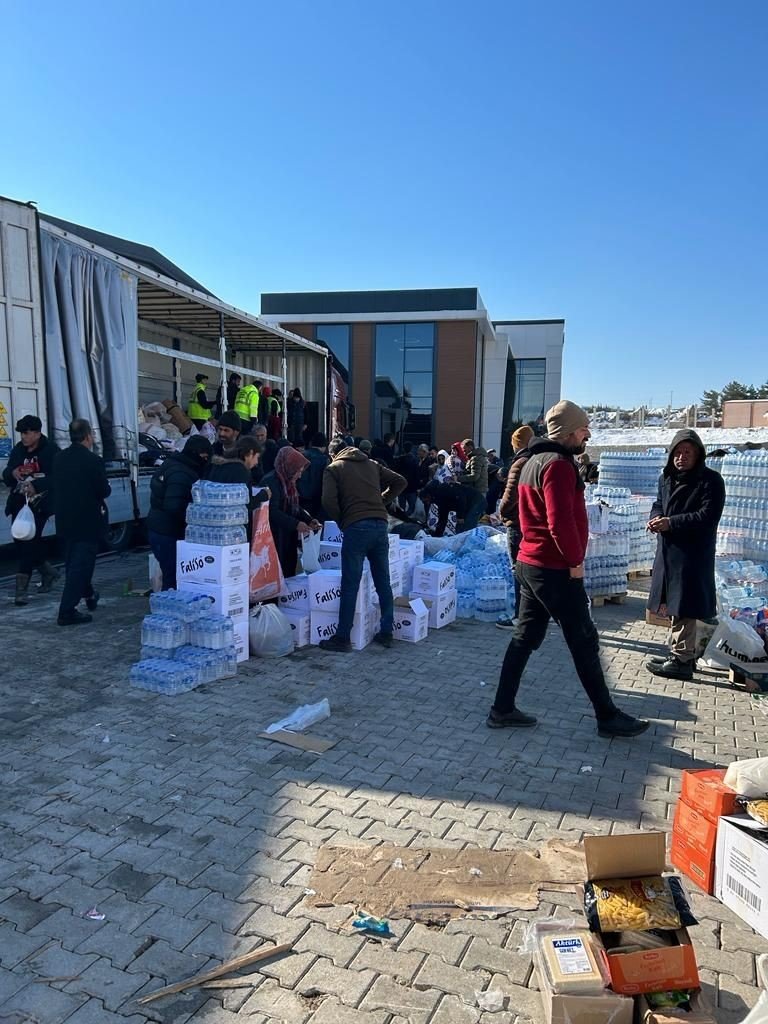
{"x": 553, "y": 516}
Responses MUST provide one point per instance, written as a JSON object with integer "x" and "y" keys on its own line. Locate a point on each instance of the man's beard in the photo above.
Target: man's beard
{"x": 577, "y": 449}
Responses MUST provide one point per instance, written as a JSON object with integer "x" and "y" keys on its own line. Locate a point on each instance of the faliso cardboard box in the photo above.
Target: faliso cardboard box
{"x": 433, "y": 578}
{"x": 204, "y": 563}
{"x": 296, "y": 597}
{"x": 411, "y": 622}
{"x": 325, "y": 591}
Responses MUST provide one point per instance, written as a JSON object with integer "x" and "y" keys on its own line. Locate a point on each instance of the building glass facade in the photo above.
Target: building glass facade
{"x": 404, "y": 381}
{"x": 336, "y": 337}
{"x": 529, "y": 390}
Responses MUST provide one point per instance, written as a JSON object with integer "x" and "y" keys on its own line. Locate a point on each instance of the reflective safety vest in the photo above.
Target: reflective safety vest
{"x": 247, "y": 402}
{"x": 195, "y": 410}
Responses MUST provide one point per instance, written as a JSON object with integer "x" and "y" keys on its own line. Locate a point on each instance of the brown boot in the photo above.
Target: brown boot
{"x": 48, "y": 576}
{"x": 22, "y": 586}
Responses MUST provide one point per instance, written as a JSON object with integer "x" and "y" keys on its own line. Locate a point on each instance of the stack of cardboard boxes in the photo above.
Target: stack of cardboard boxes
{"x": 223, "y": 574}
{"x": 704, "y": 799}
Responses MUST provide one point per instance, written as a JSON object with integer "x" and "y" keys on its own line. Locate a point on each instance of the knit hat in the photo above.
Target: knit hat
{"x": 29, "y": 422}
{"x": 230, "y": 419}
{"x": 565, "y": 418}
{"x": 521, "y": 437}
{"x": 365, "y": 446}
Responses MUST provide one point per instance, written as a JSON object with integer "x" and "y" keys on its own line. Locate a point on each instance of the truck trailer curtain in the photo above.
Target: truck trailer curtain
{"x": 91, "y": 346}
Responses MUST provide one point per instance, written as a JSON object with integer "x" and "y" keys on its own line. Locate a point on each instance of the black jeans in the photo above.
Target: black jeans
{"x": 407, "y": 502}
{"x": 514, "y": 537}
{"x": 551, "y": 594}
{"x": 80, "y": 561}
{"x": 472, "y": 515}
{"x": 164, "y": 550}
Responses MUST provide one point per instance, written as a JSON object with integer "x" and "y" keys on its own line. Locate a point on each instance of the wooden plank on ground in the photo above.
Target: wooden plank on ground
{"x": 314, "y": 744}
{"x": 227, "y": 967}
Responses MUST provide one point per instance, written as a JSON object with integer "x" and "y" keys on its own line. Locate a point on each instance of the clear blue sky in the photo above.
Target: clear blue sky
{"x": 601, "y": 161}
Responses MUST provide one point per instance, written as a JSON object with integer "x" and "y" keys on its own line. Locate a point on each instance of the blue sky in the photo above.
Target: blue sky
{"x": 600, "y": 161}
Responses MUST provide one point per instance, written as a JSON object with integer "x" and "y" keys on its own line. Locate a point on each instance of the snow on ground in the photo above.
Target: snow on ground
{"x": 654, "y": 437}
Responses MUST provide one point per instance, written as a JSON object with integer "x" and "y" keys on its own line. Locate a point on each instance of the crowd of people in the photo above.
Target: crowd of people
{"x": 360, "y": 485}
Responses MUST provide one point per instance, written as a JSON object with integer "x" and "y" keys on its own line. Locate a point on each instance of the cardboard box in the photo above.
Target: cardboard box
{"x": 694, "y": 843}
{"x": 442, "y": 609}
{"x": 330, "y": 555}
{"x": 296, "y": 597}
{"x": 218, "y": 567}
{"x": 637, "y": 855}
{"x": 741, "y": 870}
{"x": 414, "y": 549}
{"x": 394, "y": 545}
{"x": 396, "y": 579}
{"x": 299, "y": 627}
{"x": 411, "y": 619}
{"x": 323, "y": 626}
{"x": 332, "y": 532}
{"x": 707, "y": 793}
{"x": 242, "y": 641}
{"x": 434, "y": 578}
{"x": 608, "y": 1008}
{"x": 231, "y": 601}
{"x": 325, "y": 591}
{"x": 701, "y": 1012}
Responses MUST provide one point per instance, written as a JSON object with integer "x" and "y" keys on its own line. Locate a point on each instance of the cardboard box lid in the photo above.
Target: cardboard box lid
{"x": 416, "y": 605}
{"x": 626, "y": 856}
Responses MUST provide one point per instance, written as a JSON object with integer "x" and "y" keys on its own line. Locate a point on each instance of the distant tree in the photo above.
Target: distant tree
{"x": 735, "y": 390}
{"x": 712, "y": 400}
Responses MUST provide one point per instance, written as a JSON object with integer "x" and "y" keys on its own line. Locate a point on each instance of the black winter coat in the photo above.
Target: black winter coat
{"x": 284, "y": 526}
{"x": 310, "y": 485}
{"x": 684, "y": 568}
{"x": 170, "y": 491}
{"x": 408, "y": 467}
{"x": 80, "y": 487}
{"x": 41, "y": 462}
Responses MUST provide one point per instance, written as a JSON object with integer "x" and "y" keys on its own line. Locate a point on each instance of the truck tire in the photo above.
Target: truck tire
{"x": 119, "y": 537}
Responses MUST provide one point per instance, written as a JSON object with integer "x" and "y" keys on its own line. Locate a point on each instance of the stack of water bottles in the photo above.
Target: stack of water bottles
{"x": 607, "y": 564}
{"x": 742, "y": 585}
{"x": 218, "y": 514}
{"x": 743, "y": 532}
{"x": 485, "y": 581}
{"x": 631, "y": 519}
{"x": 183, "y": 644}
{"x": 638, "y": 472}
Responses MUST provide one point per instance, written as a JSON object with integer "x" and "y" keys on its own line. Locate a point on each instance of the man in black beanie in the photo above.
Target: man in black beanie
{"x": 227, "y": 432}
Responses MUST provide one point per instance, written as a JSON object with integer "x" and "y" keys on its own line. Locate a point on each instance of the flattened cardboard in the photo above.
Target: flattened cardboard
{"x": 314, "y": 744}
{"x": 627, "y": 856}
{"x": 443, "y": 879}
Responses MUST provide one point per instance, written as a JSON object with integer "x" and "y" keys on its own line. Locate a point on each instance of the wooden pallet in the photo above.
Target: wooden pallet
{"x": 652, "y": 619}
{"x": 599, "y": 601}
{"x": 640, "y": 574}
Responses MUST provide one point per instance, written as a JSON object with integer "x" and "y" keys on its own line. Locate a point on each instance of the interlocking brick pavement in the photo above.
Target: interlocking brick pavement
{"x": 196, "y": 839}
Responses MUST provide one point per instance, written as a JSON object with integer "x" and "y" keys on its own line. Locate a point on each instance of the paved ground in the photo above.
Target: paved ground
{"x": 196, "y": 839}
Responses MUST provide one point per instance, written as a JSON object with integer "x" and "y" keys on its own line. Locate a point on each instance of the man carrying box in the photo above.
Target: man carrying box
{"x": 355, "y": 490}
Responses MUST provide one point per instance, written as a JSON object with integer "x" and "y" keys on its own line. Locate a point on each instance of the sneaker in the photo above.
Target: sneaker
{"x": 512, "y": 719}
{"x": 671, "y": 668}
{"x": 74, "y": 618}
{"x": 385, "y": 639}
{"x": 335, "y": 645}
{"x": 506, "y": 622}
{"x": 621, "y": 724}
{"x": 92, "y": 601}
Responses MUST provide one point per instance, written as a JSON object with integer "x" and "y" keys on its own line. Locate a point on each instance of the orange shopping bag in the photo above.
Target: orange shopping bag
{"x": 266, "y": 576}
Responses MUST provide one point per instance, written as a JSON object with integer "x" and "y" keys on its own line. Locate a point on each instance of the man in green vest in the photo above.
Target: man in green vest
{"x": 247, "y": 405}
{"x": 199, "y": 408}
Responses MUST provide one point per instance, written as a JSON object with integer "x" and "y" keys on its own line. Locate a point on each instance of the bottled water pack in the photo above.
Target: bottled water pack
{"x": 161, "y": 675}
{"x": 637, "y": 472}
{"x": 163, "y": 631}
{"x": 216, "y": 536}
{"x": 205, "y": 514}
{"x": 743, "y": 531}
{"x": 183, "y": 605}
{"x": 213, "y": 631}
{"x": 207, "y": 492}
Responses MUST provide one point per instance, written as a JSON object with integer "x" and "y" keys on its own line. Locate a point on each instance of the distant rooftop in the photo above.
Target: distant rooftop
{"x": 407, "y": 300}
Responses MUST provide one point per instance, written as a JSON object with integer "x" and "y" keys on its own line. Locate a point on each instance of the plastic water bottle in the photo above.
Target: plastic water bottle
{"x": 163, "y": 631}
{"x": 210, "y": 493}
{"x": 163, "y": 676}
{"x": 213, "y": 631}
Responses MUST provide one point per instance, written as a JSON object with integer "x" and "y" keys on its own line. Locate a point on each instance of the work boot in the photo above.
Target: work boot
{"x": 92, "y": 601}
{"x": 48, "y": 576}
{"x": 510, "y": 719}
{"x": 22, "y": 586}
{"x": 384, "y": 639}
{"x": 660, "y": 661}
{"x": 334, "y": 644}
{"x": 74, "y": 618}
{"x": 621, "y": 724}
{"x": 671, "y": 668}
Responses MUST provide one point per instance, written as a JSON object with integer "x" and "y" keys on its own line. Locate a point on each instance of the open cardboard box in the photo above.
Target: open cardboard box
{"x": 701, "y": 1013}
{"x": 606, "y": 1008}
{"x": 638, "y": 855}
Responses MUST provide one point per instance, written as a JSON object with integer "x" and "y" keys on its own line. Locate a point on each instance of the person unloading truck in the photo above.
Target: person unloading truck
{"x": 200, "y": 406}
{"x": 247, "y": 404}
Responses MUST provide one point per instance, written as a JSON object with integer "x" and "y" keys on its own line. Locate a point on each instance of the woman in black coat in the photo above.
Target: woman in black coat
{"x": 685, "y": 516}
{"x": 288, "y": 521}
{"x": 295, "y": 415}
{"x": 170, "y": 491}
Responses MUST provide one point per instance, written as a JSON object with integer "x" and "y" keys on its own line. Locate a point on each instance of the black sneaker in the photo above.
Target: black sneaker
{"x": 92, "y": 601}
{"x": 671, "y": 668}
{"x": 621, "y": 724}
{"x": 511, "y": 719}
{"x": 384, "y": 639}
{"x": 73, "y": 619}
{"x": 506, "y": 622}
{"x": 336, "y": 645}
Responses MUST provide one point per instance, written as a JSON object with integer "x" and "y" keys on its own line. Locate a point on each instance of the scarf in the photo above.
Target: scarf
{"x": 288, "y": 466}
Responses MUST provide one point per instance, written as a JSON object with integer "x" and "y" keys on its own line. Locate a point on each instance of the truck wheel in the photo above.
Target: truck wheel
{"x": 119, "y": 537}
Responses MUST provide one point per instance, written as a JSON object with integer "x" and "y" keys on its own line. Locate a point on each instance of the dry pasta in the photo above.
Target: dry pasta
{"x": 636, "y": 904}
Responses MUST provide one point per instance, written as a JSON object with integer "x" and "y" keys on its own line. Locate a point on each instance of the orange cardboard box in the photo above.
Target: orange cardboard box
{"x": 695, "y": 829}
{"x": 705, "y": 792}
{"x": 699, "y": 867}
{"x": 637, "y": 855}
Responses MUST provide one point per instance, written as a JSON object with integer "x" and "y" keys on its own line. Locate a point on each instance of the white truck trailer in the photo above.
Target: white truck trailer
{"x": 95, "y": 326}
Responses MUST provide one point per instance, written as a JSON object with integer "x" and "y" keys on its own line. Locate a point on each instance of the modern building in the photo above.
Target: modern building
{"x": 428, "y": 364}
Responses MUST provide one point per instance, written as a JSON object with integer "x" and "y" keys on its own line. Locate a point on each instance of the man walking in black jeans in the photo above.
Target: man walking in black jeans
{"x": 550, "y": 574}
{"x": 80, "y": 486}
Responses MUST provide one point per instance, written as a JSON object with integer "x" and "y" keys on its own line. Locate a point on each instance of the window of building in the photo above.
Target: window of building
{"x": 404, "y": 387}
{"x": 336, "y": 337}
{"x": 529, "y": 390}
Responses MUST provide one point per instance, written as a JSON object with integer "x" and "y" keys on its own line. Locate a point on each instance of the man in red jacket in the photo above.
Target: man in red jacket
{"x": 550, "y": 574}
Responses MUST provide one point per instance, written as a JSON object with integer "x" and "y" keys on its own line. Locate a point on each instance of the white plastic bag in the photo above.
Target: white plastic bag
{"x": 749, "y": 778}
{"x": 302, "y": 717}
{"x": 155, "y": 574}
{"x": 310, "y": 552}
{"x": 738, "y": 644}
{"x": 269, "y": 632}
{"x": 759, "y": 1012}
{"x": 24, "y": 526}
